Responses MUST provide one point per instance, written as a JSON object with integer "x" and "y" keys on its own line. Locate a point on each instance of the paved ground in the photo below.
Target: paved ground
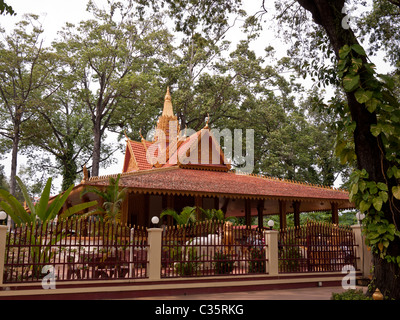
{"x": 318, "y": 293}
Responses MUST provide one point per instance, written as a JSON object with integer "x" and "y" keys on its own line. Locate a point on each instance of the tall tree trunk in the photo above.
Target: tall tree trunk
{"x": 14, "y": 155}
{"x": 367, "y": 147}
{"x": 69, "y": 166}
{"x": 96, "y": 147}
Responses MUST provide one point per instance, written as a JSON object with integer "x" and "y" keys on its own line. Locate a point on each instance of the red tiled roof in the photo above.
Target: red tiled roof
{"x": 140, "y": 154}
{"x": 176, "y": 180}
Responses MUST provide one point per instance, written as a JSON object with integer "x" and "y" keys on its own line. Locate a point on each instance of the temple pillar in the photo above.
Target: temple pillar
{"x": 143, "y": 219}
{"x": 335, "y": 212}
{"x": 260, "y": 210}
{"x": 125, "y": 209}
{"x": 296, "y": 211}
{"x": 224, "y": 206}
{"x": 168, "y": 203}
{"x": 198, "y": 203}
{"x": 282, "y": 214}
{"x": 247, "y": 212}
{"x": 216, "y": 203}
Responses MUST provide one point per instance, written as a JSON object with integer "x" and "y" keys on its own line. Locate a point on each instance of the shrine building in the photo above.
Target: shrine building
{"x": 174, "y": 170}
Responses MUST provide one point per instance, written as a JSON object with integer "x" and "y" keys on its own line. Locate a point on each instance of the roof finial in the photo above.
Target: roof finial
{"x": 208, "y": 118}
{"x": 168, "y": 111}
{"x": 126, "y": 136}
{"x": 85, "y": 174}
{"x": 140, "y": 132}
{"x": 168, "y": 94}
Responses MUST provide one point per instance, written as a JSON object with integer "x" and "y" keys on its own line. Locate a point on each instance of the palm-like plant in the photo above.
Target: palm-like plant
{"x": 39, "y": 216}
{"x": 217, "y": 214}
{"x": 44, "y": 210}
{"x": 213, "y": 214}
{"x": 113, "y": 198}
{"x": 187, "y": 215}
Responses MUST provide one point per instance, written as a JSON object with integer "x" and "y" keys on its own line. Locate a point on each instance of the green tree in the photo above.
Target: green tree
{"x": 24, "y": 74}
{"x": 379, "y": 28}
{"x": 196, "y": 91}
{"x": 365, "y": 136}
{"x": 324, "y": 136}
{"x": 5, "y": 8}
{"x": 376, "y": 152}
{"x": 60, "y": 128}
{"x": 3, "y": 180}
{"x": 114, "y": 64}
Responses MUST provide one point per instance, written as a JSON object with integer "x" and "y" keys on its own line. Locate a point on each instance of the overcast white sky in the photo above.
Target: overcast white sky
{"x": 55, "y": 13}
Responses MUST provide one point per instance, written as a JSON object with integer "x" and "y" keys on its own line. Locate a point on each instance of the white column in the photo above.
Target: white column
{"x": 3, "y": 239}
{"x": 271, "y": 240}
{"x": 154, "y": 253}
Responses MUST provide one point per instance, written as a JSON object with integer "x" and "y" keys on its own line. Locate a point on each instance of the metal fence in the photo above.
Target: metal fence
{"x": 212, "y": 248}
{"x": 75, "y": 249}
{"x": 316, "y": 247}
{"x": 85, "y": 249}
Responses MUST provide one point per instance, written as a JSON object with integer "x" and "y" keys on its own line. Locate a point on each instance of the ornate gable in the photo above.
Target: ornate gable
{"x": 202, "y": 151}
{"x": 135, "y": 156}
{"x": 199, "y": 151}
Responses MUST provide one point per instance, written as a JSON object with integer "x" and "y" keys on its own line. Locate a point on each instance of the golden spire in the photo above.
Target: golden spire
{"x": 167, "y": 116}
{"x": 168, "y": 111}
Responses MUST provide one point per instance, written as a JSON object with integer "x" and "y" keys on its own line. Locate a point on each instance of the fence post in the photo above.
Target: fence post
{"x": 3, "y": 239}
{"x": 364, "y": 262}
{"x": 271, "y": 240}
{"x": 154, "y": 242}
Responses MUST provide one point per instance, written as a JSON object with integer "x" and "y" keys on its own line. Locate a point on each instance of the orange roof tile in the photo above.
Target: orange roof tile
{"x": 214, "y": 183}
{"x": 139, "y": 152}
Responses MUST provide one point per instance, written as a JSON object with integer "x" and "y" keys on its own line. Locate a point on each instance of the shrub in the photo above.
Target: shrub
{"x": 350, "y": 294}
{"x": 223, "y": 263}
{"x": 257, "y": 261}
{"x": 189, "y": 267}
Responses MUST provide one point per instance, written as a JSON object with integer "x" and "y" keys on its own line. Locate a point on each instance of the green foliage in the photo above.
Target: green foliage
{"x": 378, "y": 26}
{"x": 110, "y": 72}
{"x": 44, "y": 210}
{"x": 5, "y": 8}
{"x": 191, "y": 265}
{"x": 375, "y": 92}
{"x": 350, "y": 294}
{"x": 213, "y": 214}
{"x": 24, "y": 77}
{"x": 257, "y": 260}
{"x": 346, "y": 218}
{"x": 224, "y": 263}
{"x": 115, "y": 64}
{"x": 187, "y": 215}
{"x": 112, "y": 198}
{"x": 292, "y": 250}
